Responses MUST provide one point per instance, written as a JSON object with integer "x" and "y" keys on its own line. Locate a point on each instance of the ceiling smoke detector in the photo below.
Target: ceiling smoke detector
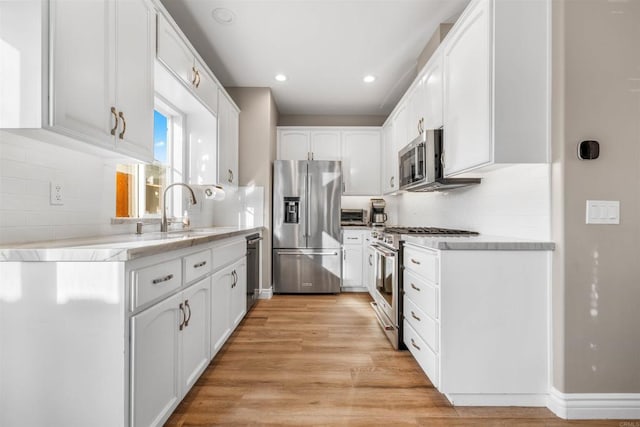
{"x": 223, "y": 15}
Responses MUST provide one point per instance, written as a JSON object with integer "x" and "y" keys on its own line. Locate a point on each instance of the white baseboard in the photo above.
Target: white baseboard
{"x": 265, "y": 293}
{"x": 584, "y": 406}
{"x": 470, "y": 399}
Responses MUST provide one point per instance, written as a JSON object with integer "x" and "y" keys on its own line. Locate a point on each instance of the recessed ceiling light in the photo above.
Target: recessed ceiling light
{"x": 223, "y": 15}
{"x": 369, "y": 79}
{"x": 281, "y": 77}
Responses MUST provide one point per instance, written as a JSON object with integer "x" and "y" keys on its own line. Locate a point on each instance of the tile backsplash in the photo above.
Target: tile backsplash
{"x": 511, "y": 201}
{"x": 27, "y": 167}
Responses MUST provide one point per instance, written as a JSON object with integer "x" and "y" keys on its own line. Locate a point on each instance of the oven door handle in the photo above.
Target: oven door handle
{"x": 383, "y": 252}
{"x": 384, "y": 324}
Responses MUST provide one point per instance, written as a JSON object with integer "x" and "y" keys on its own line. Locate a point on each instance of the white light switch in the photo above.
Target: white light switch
{"x": 603, "y": 212}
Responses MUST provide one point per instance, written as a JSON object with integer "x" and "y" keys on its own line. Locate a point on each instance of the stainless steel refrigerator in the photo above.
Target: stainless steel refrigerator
{"x": 306, "y": 226}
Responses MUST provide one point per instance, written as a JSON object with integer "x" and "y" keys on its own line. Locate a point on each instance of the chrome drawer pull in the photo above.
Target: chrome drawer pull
{"x": 413, "y": 343}
{"x": 200, "y": 264}
{"x": 184, "y": 316}
{"x": 415, "y": 287}
{"x": 186, "y": 305}
{"x": 415, "y": 262}
{"x": 162, "y": 279}
{"x": 414, "y": 316}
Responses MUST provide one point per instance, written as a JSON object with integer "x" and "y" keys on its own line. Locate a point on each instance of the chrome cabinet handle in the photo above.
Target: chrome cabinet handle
{"x": 115, "y": 116}
{"x": 197, "y": 78}
{"x": 162, "y": 279}
{"x": 186, "y": 322}
{"x": 442, "y": 159}
{"x": 413, "y": 343}
{"x": 184, "y": 316}
{"x": 229, "y": 175}
{"x": 195, "y": 73}
{"x": 415, "y": 287}
{"x": 414, "y": 261}
{"x": 370, "y": 259}
{"x": 200, "y": 264}
{"x": 391, "y": 181}
{"x": 414, "y": 316}
{"x": 235, "y": 279}
{"x": 124, "y": 125}
{"x": 344, "y": 255}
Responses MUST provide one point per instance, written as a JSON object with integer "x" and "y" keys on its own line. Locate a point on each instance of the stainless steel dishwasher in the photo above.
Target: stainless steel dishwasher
{"x": 253, "y": 269}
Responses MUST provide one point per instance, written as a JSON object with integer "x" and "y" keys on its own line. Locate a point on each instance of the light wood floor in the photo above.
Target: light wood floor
{"x": 323, "y": 360}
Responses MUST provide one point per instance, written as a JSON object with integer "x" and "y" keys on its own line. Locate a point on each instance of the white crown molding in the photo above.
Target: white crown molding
{"x": 583, "y": 406}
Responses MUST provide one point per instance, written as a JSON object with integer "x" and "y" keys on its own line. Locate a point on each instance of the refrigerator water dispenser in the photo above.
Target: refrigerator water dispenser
{"x": 291, "y": 210}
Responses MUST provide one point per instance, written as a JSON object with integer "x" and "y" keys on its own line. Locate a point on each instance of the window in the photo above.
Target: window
{"x": 139, "y": 187}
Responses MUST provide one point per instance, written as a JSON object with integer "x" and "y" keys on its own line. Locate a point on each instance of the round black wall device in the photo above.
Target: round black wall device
{"x": 588, "y": 150}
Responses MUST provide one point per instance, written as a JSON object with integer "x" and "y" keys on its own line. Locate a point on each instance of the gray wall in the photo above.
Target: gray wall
{"x": 258, "y": 120}
{"x": 596, "y": 275}
{"x": 310, "y": 120}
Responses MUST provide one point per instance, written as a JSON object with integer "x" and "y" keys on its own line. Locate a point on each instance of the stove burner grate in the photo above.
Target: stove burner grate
{"x": 434, "y": 231}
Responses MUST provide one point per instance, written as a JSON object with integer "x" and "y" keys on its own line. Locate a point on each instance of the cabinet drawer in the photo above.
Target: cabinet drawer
{"x": 422, "y": 293}
{"x": 352, "y": 238}
{"x": 421, "y": 261}
{"x": 426, "y": 358}
{"x": 197, "y": 265}
{"x": 155, "y": 281}
{"x": 426, "y": 327}
{"x": 228, "y": 252}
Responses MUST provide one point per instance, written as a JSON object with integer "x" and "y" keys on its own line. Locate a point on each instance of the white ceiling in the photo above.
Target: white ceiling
{"x": 325, "y": 47}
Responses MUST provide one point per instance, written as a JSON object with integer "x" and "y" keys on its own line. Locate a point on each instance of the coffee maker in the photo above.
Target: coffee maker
{"x": 378, "y": 217}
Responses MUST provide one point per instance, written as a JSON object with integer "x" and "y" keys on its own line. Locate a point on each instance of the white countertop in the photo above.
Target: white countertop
{"x": 479, "y": 243}
{"x": 120, "y": 247}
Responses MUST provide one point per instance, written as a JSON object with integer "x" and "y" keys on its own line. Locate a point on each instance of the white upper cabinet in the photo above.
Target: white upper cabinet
{"x": 432, "y": 82}
{"x": 496, "y": 86}
{"x": 305, "y": 144}
{"x": 97, "y": 86}
{"x": 228, "y": 141}
{"x": 389, "y": 159}
{"x": 180, "y": 58}
{"x": 325, "y": 145}
{"x": 294, "y": 144}
{"x": 361, "y": 162}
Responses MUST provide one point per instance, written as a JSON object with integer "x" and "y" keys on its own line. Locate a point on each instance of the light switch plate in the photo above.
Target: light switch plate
{"x": 603, "y": 212}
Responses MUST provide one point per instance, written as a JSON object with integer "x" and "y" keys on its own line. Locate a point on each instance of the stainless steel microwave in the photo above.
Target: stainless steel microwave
{"x": 420, "y": 166}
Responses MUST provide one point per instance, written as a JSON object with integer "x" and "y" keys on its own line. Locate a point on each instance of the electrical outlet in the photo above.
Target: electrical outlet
{"x": 56, "y": 193}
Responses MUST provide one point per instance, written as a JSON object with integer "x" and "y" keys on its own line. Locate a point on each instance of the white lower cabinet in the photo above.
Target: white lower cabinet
{"x": 352, "y": 266}
{"x": 170, "y": 349}
{"x": 476, "y": 322}
{"x": 228, "y": 302}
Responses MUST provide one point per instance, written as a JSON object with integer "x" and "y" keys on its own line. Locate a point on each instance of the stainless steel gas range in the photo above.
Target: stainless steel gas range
{"x": 387, "y": 246}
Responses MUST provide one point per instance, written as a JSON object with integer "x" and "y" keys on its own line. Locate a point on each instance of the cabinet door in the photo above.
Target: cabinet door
{"x": 389, "y": 159}
{"x": 135, "y": 49}
{"x": 196, "y": 335}
{"x": 220, "y": 308}
{"x": 293, "y": 145}
{"x": 82, "y": 65}
{"x": 415, "y": 109}
{"x": 432, "y": 92}
{"x": 361, "y": 162}
{"x": 400, "y": 129}
{"x": 155, "y": 350}
{"x": 206, "y": 88}
{"x": 227, "y": 142}
{"x": 173, "y": 52}
{"x": 352, "y": 266}
{"x": 325, "y": 145}
{"x": 239, "y": 293}
{"x": 467, "y": 92}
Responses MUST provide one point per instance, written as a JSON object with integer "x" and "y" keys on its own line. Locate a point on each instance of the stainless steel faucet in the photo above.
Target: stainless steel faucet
{"x": 164, "y": 223}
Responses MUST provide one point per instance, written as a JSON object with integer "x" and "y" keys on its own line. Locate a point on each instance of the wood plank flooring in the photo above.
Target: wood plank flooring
{"x": 323, "y": 360}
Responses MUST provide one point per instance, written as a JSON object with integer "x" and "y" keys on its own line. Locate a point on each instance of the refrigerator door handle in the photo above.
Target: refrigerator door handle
{"x": 334, "y": 253}
{"x": 309, "y": 207}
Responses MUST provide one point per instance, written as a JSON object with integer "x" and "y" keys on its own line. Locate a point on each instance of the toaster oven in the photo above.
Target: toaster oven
{"x": 354, "y": 217}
